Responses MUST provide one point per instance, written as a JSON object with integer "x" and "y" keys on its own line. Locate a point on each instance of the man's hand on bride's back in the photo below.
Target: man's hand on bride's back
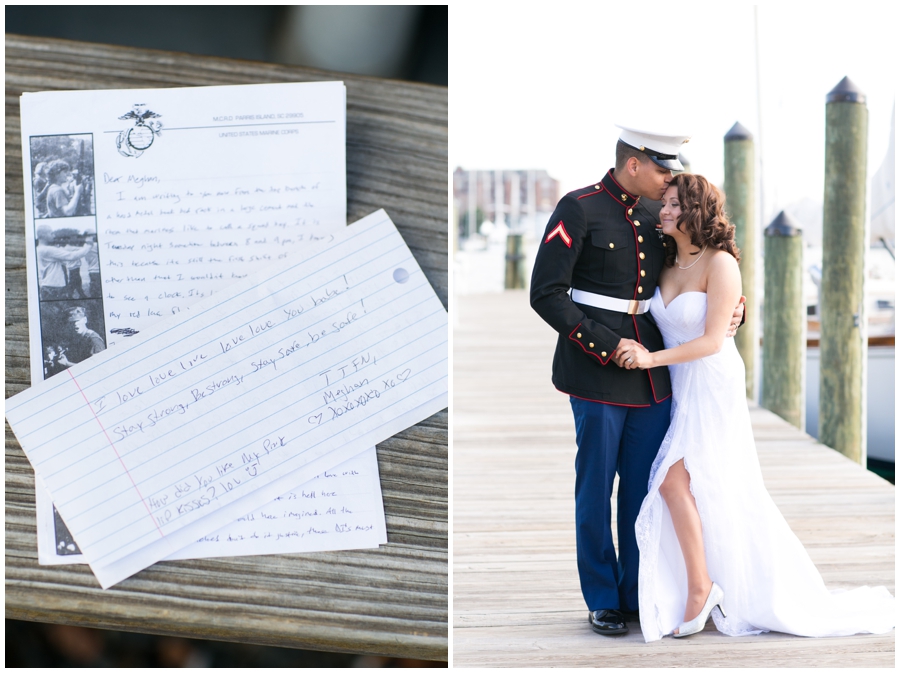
{"x": 622, "y": 349}
{"x": 737, "y": 318}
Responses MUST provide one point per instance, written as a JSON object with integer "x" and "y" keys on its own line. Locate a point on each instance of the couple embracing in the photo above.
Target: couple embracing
{"x": 638, "y": 273}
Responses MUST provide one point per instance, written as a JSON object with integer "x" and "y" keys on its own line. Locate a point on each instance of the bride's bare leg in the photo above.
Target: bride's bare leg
{"x": 676, "y": 491}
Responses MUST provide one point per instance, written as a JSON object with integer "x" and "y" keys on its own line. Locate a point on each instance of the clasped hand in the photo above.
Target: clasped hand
{"x": 632, "y": 355}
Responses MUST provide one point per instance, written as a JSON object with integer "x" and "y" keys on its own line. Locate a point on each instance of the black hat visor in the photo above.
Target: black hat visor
{"x": 671, "y": 164}
{"x": 669, "y": 161}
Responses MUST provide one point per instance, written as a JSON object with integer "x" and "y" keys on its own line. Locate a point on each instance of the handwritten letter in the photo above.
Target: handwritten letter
{"x": 185, "y": 190}
{"x": 147, "y": 449}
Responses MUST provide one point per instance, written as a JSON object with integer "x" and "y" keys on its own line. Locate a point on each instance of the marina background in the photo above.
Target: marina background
{"x": 526, "y": 134}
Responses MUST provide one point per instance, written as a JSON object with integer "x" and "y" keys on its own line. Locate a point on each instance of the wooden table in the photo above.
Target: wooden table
{"x": 390, "y": 601}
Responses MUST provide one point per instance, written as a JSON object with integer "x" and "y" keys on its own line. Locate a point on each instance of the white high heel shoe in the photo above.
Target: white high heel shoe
{"x": 697, "y": 624}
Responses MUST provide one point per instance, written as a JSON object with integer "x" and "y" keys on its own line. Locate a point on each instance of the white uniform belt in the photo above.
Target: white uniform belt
{"x": 629, "y": 306}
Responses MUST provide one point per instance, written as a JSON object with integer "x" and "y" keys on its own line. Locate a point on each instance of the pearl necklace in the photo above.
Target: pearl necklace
{"x": 692, "y": 263}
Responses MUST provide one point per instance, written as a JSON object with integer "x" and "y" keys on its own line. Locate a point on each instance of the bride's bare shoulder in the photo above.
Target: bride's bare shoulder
{"x": 723, "y": 261}
{"x": 722, "y": 271}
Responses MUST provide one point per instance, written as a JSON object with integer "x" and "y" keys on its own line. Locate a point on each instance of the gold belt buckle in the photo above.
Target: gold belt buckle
{"x": 633, "y": 305}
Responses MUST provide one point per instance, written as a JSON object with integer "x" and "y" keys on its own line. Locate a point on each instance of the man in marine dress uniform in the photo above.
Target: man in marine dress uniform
{"x": 595, "y": 272}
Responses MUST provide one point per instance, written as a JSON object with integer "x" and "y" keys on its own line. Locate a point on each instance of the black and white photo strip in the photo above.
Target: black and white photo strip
{"x": 68, "y": 262}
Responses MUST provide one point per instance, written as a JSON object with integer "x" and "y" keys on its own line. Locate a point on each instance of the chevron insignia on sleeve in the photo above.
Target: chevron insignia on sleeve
{"x": 560, "y": 230}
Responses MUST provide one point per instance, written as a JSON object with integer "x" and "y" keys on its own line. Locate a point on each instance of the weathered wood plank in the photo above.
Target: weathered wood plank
{"x": 390, "y": 601}
{"x": 517, "y": 600}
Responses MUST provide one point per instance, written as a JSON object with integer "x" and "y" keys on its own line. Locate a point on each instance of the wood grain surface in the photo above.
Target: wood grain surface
{"x": 516, "y": 597}
{"x": 390, "y": 601}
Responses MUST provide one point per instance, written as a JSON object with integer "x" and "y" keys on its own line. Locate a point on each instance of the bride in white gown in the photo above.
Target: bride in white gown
{"x": 711, "y": 540}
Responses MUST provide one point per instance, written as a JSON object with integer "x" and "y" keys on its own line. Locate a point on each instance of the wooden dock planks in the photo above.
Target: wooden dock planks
{"x": 516, "y": 597}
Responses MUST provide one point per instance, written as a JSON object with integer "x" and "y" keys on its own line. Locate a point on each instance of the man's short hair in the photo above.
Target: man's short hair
{"x": 624, "y": 152}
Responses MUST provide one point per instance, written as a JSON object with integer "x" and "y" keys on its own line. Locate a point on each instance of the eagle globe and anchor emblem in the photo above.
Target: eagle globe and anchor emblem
{"x": 132, "y": 142}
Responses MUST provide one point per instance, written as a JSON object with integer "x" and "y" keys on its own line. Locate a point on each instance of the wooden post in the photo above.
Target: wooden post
{"x": 740, "y": 195}
{"x": 784, "y": 322}
{"x": 499, "y": 199}
{"x": 841, "y": 413}
{"x": 515, "y": 263}
{"x": 472, "y": 193}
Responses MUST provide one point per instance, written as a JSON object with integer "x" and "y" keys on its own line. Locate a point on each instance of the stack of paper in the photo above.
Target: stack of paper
{"x": 221, "y": 353}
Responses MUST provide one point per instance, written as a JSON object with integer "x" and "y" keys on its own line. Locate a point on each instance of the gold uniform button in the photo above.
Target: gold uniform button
{"x": 596, "y": 186}
{"x": 624, "y": 197}
{"x": 643, "y": 273}
{"x": 664, "y": 244}
{"x": 612, "y": 245}
{"x": 603, "y": 354}
{"x": 640, "y": 239}
{"x": 641, "y": 255}
{"x": 590, "y": 345}
{"x": 636, "y": 223}
{"x": 578, "y": 335}
{"x": 640, "y": 289}
{"x": 630, "y": 211}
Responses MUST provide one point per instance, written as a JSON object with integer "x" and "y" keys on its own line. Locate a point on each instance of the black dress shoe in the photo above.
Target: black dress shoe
{"x": 608, "y": 622}
{"x": 631, "y": 615}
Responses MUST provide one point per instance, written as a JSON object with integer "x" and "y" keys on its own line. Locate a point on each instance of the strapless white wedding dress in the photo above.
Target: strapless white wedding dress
{"x": 770, "y": 583}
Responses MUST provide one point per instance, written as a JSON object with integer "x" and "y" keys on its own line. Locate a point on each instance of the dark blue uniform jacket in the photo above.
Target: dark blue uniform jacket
{"x": 604, "y": 240}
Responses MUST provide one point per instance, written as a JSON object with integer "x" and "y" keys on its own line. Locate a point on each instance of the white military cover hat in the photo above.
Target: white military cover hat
{"x": 662, "y": 148}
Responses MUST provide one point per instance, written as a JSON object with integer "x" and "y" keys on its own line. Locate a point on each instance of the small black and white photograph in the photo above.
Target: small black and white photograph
{"x": 65, "y": 543}
{"x": 71, "y": 331}
{"x": 62, "y": 175}
{"x": 68, "y": 260}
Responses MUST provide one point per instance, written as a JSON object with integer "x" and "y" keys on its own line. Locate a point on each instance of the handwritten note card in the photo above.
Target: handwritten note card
{"x": 149, "y": 448}
{"x": 341, "y": 508}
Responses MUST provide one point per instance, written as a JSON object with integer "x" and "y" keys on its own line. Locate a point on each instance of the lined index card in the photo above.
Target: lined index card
{"x": 145, "y": 449}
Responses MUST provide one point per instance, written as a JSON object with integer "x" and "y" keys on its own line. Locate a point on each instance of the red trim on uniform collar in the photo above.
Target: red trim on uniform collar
{"x": 612, "y": 177}
{"x": 629, "y": 202}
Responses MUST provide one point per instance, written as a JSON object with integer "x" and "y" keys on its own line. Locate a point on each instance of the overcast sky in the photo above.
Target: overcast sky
{"x": 543, "y": 87}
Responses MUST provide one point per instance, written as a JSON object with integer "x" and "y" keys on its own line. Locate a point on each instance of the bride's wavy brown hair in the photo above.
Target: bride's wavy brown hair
{"x": 703, "y": 216}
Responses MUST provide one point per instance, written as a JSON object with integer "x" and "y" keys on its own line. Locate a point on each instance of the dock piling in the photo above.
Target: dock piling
{"x": 515, "y": 263}
{"x": 784, "y": 322}
{"x": 740, "y": 196}
{"x": 841, "y": 413}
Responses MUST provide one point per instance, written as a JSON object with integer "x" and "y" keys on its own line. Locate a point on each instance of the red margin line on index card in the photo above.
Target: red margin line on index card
{"x": 117, "y": 452}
